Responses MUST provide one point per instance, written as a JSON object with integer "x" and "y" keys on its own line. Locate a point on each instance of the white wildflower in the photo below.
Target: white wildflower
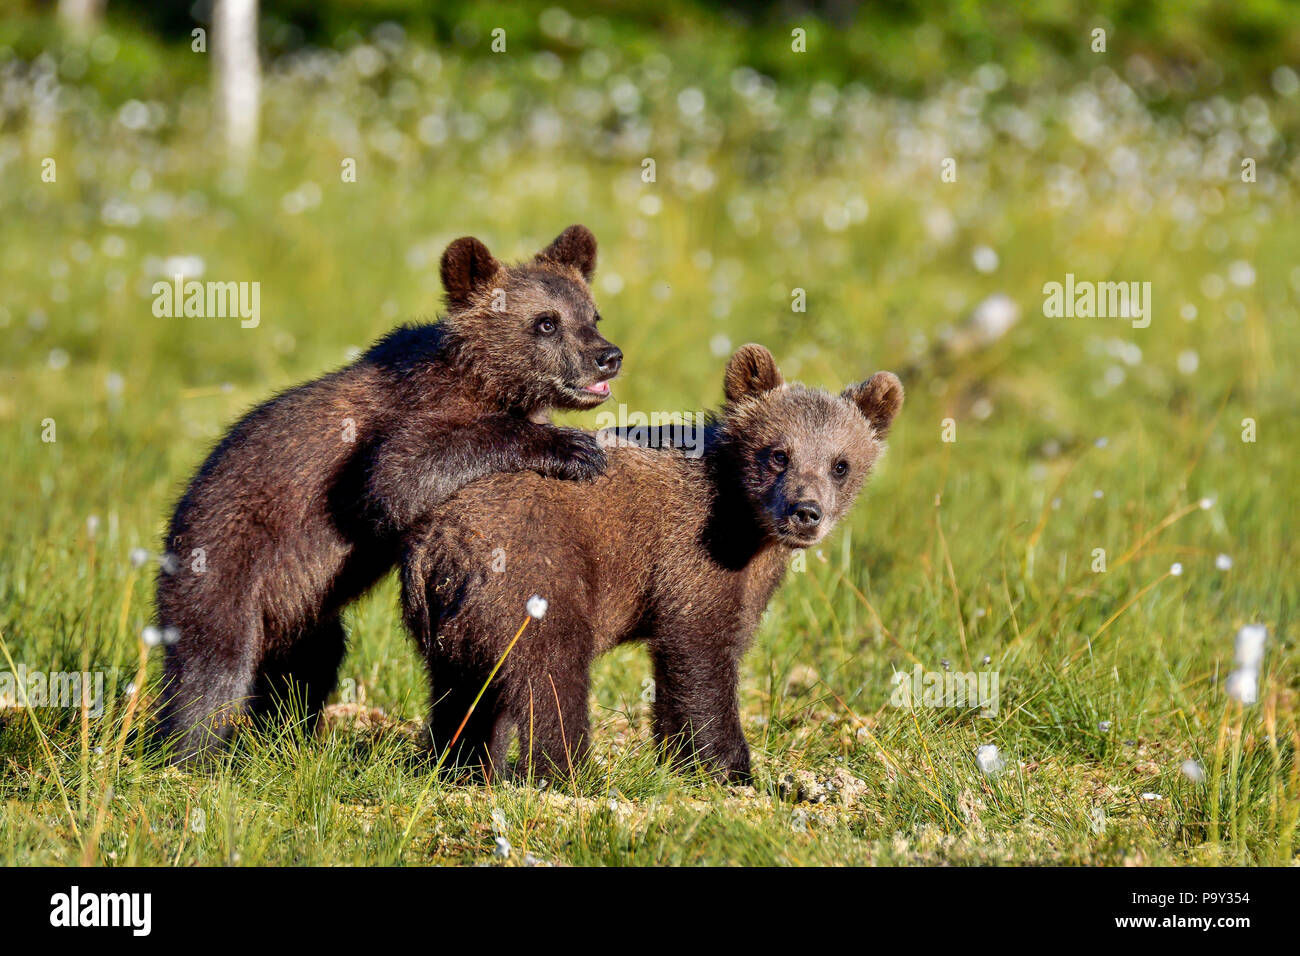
{"x": 985, "y": 259}
{"x": 988, "y": 758}
{"x": 994, "y": 317}
{"x": 1243, "y": 685}
{"x": 1250, "y": 646}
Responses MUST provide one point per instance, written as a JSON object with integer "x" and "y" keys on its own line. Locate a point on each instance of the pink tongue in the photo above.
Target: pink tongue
{"x": 600, "y": 388}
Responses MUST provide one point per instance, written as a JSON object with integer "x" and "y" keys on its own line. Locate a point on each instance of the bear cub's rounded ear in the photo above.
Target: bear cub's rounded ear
{"x": 751, "y": 371}
{"x": 576, "y": 247}
{"x": 878, "y": 398}
{"x": 467, "y": 266}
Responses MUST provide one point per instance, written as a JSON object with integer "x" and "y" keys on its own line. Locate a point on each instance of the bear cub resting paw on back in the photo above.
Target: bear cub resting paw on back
{"x": 681, "y": 553}
{"x": 302, "y": 505}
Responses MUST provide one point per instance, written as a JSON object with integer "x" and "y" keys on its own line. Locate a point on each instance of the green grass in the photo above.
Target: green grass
{"x": 959, "y": 550}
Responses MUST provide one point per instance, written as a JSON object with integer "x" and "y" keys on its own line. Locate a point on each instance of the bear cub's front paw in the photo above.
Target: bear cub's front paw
{"x": 573, "y": 455}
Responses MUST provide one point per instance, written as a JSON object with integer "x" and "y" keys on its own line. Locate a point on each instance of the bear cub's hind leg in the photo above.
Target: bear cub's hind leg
{"x": 296, "y": 681}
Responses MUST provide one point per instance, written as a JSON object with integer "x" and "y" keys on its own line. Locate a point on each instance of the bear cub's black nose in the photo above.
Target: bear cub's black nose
{"x": 609, "y": 361}
{"x": 806, "y": 514}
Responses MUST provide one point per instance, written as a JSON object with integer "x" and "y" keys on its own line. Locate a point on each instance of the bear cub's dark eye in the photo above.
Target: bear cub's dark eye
{"x": 779, "y": 458}
{"x": 546, "y": 323}
{"x": 841, "y": 468}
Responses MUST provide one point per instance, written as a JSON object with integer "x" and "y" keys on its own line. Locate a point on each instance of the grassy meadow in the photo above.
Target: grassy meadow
{"x": 1016, "y": 456}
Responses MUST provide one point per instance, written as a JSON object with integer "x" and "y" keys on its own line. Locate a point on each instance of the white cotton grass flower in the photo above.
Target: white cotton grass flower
{"x": 537, "y": 606}
{"x": 1176, "y": 569}
{"x": 1223, "y": 562}
{"x": 151, "y": 636}
{"x": 188, "y": 266}
{"x": 139, "y": 557}
{"x": 1193, "y": 771}
{"x": 690, "y": 101}
{"x": 92, "y": 525}
{"x": 502, "y": 849}
{"x": 1104, "y": 726}
{"x": 1285, "y": 81}
{"x": 1243, "y": 685}
{"x": 988, "y": 758}
{"x": 1250, "y": 646}
{"x": 171, "y": 635}
{"x": 1151, "y": 796}
{"x": 1206, "y": 504}
{"x": 985, "y": 259}
{"x": 994, "y": 317}
{"x": 1241, "y": 273}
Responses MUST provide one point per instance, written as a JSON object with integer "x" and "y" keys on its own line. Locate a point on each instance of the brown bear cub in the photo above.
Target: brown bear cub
{"x": 681, "y": 553}
{"x": 302, "y": 506}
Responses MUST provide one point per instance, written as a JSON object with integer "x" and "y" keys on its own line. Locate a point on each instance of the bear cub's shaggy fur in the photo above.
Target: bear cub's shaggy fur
{"x": 302, "y": 505}
{"x": 677, "y": 552}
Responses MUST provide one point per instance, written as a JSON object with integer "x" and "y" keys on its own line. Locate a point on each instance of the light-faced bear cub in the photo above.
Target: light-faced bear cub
{"x": 681, "y": 553}
{"x": 302, "y": 505}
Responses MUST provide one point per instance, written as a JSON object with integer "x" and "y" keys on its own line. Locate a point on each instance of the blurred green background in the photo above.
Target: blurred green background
{"x": 776, "y": 171}
{"x": 898, "y": 46}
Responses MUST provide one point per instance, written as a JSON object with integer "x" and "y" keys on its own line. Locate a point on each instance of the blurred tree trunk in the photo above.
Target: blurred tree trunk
{"x": 238, "y": 76}
{"x": 81, "y": 17}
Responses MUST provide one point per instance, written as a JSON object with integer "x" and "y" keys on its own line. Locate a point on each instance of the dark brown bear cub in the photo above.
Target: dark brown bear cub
{"x": 681, "y": 553}
{"x": 302, "y": 505}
